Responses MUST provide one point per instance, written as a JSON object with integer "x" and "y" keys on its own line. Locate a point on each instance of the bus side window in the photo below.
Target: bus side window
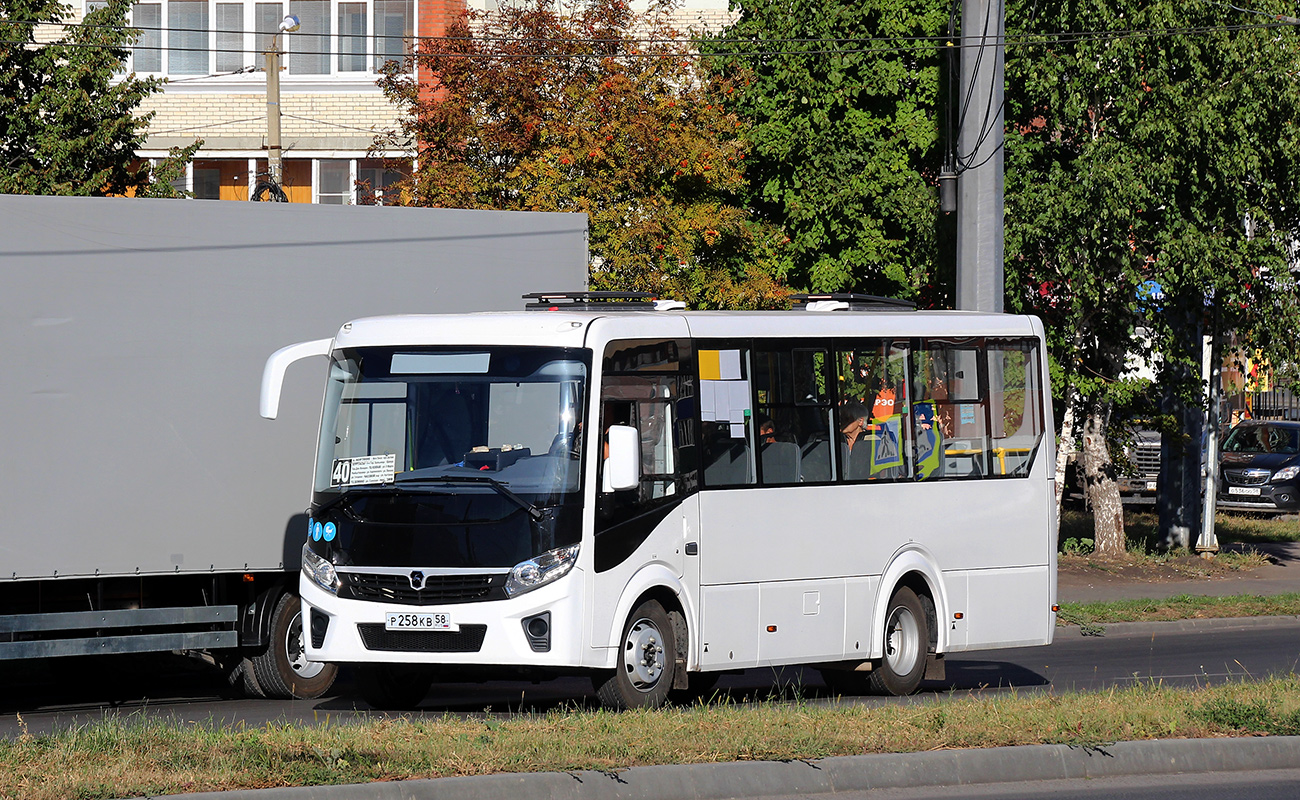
{"x": 726, "y": 418}
{"x": 794, "y": 414}
{"x": 645, "y": 386}
{"x": 1016, "y": 404}
{"x": 873, "y": 413}
{"x": 954, "y": 373}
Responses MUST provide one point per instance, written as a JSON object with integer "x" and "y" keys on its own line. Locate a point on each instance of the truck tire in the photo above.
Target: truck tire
{"x": 283, "y": 671}
{"x": 647, "y": 661}
{"x": 393, "y": 687}
{"x": 907, "y": 644}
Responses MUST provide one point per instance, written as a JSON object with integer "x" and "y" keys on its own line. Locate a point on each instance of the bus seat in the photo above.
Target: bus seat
{"x": 780, "y": 462}
{"x": 815, "y": 461}
{"x": 729, "y": 467}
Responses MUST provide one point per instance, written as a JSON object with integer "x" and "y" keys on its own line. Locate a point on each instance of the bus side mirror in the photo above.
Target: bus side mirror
{"x": 278, "y": 364}
{"x": 623, "y": 464}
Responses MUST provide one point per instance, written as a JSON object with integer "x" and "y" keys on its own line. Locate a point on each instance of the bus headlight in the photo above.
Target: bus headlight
{"x": 320, "y": 571}
{"x": 541, "y": 570}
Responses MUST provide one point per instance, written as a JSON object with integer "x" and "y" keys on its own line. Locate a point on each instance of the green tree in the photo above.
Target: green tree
{"x": 1169, "y": 156}
{"x": 605, "y": 112}
{"x": 843, "y": 105}
{"x": 67, "y": 127}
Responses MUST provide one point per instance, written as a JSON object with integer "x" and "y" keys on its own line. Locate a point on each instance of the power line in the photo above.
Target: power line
{"x": 832, "y": 45}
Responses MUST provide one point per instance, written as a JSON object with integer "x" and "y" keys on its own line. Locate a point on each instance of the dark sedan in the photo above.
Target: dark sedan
{"x": 1259, "y": 468}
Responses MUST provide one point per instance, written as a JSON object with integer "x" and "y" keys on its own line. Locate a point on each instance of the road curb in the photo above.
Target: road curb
{"x": 748, "y": 779}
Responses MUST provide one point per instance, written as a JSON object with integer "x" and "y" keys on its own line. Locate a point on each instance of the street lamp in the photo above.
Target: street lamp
{"x": 274, "y": 163}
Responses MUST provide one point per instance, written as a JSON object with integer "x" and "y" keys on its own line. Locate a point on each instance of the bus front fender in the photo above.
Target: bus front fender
{"x": 649, "y": 581}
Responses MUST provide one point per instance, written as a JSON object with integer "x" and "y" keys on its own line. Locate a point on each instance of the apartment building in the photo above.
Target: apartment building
{"x": 212, "y": 54}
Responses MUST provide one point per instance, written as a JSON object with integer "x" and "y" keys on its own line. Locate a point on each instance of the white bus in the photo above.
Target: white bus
{"x": 653, "y": 497}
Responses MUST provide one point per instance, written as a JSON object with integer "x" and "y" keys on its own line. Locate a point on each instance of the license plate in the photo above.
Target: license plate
{"x": 1151, "y": 486}
{"x": 1249, "y": 490}
{"x": 424, "y": 621}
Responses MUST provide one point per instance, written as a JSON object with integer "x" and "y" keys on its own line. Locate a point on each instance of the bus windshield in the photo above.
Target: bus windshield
{"x": 490, "y": 420}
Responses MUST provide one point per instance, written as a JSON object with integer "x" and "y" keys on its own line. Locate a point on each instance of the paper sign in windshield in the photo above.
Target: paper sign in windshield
{"x": 363, "y": 470}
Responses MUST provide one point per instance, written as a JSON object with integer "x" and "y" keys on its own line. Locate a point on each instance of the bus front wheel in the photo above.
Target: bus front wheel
{"x": 647, "y": 659}
{"x": 282, "y": 670}
{"x": 907, "y": 642}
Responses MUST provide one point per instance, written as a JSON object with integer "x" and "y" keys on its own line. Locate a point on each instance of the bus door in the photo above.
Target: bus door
{"x": 648, "y": 385}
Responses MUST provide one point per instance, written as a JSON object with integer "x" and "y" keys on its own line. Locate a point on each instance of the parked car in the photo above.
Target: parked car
{"x": 1259, "y": 466}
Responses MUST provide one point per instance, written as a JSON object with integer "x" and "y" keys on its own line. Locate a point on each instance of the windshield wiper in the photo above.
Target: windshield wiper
{"x": 348, "y": 493}
{"x": 500, "y": 487}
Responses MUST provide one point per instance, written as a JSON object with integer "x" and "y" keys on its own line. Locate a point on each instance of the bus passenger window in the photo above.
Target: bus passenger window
{"x": 874, "y": 418}
{"x": 951, "y": 382}
{"x": 726, "y": 416}
{"x": 793, "y": 413}
{"x": 1016, "y": 400}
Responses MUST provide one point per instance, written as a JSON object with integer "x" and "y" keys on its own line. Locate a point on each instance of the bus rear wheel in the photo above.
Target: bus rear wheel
{"x": 907, "y": 642}
{"x": 647, "y": 661}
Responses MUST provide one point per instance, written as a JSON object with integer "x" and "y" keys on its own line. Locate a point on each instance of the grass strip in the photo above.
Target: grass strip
{"x": 133, "y": 756}
{"x": 1179, "y": 607}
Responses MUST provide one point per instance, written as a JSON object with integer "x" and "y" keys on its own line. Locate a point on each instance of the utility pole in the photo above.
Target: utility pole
{"x": 274, "y": 160}
{"x": 980, "y": 281}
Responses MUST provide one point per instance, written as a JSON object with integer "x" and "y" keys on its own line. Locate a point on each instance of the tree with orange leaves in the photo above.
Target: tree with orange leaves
{"x": 606, "y": 112}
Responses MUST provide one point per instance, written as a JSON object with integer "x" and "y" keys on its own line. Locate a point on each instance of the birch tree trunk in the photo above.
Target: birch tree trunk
{"x": 1063, "y": 453}
{"x": 1099, "y": 477}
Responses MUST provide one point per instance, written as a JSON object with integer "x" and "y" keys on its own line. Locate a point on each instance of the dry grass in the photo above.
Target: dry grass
{"x": 1180, "y": 607}
{"x": 137, "y": 756}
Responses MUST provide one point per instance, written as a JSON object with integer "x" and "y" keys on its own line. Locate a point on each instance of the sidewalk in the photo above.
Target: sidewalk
{"x": 1282, "y": 577}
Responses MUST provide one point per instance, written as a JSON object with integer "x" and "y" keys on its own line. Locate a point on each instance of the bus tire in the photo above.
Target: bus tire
{"x": 907, "y": 643}
{"x": 283, "y": 671}
{"x": 393, "y": 687}
{"x": 647, "y": 660}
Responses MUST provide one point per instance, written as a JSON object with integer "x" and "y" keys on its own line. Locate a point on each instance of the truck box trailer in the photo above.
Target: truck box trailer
{"x": 147, "y": 506}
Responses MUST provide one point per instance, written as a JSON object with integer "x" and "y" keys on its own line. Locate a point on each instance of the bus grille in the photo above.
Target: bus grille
{"x": 438, "y": 589}
{"x": 469, "y": 639}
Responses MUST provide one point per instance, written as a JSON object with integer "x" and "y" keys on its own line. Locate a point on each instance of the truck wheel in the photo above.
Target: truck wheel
{"x": 393, "y": 687}
{"x": 647, "y": 659}
{"x": 907, "y": 642}
{"x": 283, "y": 671}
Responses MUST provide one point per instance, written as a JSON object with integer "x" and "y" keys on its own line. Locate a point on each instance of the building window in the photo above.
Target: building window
{"x": 333, "y": 185}
{"x": 375, "y": 182}
{"x": 230, "y": 37}
{"x": 220, "y": 37}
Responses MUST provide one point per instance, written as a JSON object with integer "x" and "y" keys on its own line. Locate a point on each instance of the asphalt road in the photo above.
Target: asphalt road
{"x": 59, "y": 693}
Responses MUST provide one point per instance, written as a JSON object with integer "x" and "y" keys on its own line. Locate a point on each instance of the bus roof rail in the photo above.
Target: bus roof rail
{"x": 849, "y": 301}
{"x": 599, "y": 301}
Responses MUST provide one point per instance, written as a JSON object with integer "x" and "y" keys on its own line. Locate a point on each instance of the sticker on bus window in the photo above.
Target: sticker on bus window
{"x": 363, "y": 470}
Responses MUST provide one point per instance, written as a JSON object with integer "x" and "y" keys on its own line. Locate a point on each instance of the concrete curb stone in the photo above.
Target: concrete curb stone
{"x": 749, "y": 779}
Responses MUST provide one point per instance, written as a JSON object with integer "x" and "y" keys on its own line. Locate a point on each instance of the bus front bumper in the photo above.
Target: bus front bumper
{"x": 497, "y": 632}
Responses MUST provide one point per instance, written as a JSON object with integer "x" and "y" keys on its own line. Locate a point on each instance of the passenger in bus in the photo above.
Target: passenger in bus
{"x": 853, "y": 428}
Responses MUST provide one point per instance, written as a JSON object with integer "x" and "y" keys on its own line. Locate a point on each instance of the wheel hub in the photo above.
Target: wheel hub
{"x": 644, "y": 654}
{"x": 296, "y": 653}
{"x": 902, "y": 641}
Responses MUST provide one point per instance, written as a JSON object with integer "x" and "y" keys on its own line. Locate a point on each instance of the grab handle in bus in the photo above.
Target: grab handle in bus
{"x": 278, "y": 364}
{"x": 623, "y": 464}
